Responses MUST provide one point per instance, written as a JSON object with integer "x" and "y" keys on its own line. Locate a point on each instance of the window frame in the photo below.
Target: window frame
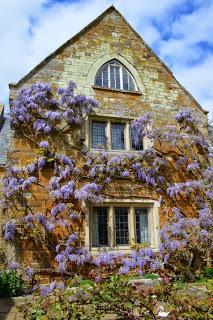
{"x": 105, "y": 138}
{"x": 121, "y": 77}
{"x": 93, "y": 229}
{"x": 153, "y": 224}
{"x": 135, "y": 224}
{"x": 112, "y": 136}
{"x": 108, "y": 132}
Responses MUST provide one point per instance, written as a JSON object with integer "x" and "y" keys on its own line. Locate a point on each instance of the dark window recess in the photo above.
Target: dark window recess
{"x": 100, "y": 226}
{"x": 117, "y": 132}
{"x": 121, "y": 226}
{"x": 98, "y": 134}
{"x": 136, "y": 141}
{"x": 142, "y": 228}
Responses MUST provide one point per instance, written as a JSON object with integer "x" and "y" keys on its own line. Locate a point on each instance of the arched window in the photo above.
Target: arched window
{"x": 115, "y": 76}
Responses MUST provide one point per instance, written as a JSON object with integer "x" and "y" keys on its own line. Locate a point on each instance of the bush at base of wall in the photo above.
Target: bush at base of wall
{"x": 11, "y": 285}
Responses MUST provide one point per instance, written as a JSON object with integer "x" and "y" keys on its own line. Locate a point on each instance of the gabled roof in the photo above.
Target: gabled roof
{"x": 81, "y": 33}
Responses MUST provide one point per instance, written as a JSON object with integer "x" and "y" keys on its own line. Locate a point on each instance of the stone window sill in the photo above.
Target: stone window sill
{"x": 117, "y": 90}
{"x": 122, "y": 249}
{"x": 115, "y": 152}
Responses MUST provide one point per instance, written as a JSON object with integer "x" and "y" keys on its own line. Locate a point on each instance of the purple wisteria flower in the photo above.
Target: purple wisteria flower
{"x": 107, "y": 180}
{"x": 61, "y": 285}
{"x": 59, "y": 208}
{"x": 29, "y": 273}
{"x": 44, "y": 144}
{"x": 41, "y": 162}
{"x": 28, "y": 220}
{"x": 90, "y": 192}
{"x": 47, "y": 290}
{"x": 36, "y": 107}
{"x": 177, "y": 213}
{"x": 31, "y": 167}
{"x": 53, "y": 115}
{"x": 205, "y": 217}
{"x": 98, "y": 278}
{"x": 186, "y": 187}
{"x": 141, "y": 126}
{"x": 108, "y": 259}
{"x": 10, "y": 229}
{"x": 28, "y": 182}
{"x": 185, "y": 115}
{"x": 125, "y": 174}
{"x": 124, "y": 270}
{"x": 74, "y": 216}
{"x": 193, "y": 166}
{"x": 65, "y": 191}
{"x": 47, "y": 223}
{"x": 14, "y": 265}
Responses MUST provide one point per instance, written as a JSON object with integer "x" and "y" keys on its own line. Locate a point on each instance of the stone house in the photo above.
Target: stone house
{"x": 111, "y": 62}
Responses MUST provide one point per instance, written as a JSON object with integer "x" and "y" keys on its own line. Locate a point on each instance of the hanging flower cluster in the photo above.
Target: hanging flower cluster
{"x": 36, "y": 110}
{"x": 184, "y": 237}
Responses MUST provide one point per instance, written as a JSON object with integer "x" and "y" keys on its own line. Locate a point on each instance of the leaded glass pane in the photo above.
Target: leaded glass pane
{"x": 117, "y": 132}
{"x": 98, "y": 134}
{"x": 142, "y": 227}
{"x": 112, "y": 77}
{"x": 105, "y": 76}
{"x": 136, "y": 141}
{"x": 121, "y": 226}
{"x": 125, "y": 79}
{"x": 131, "y": 84}
{"x": 118, "y": 83}
{"x": 100, "y": 226}
{"x": 99, "y": 80}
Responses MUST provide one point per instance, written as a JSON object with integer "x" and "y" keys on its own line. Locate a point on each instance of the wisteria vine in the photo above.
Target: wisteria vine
{"x": 176, "y": 169}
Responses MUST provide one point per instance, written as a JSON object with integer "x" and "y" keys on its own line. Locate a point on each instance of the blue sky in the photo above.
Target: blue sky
{"x": 179, "y": 31}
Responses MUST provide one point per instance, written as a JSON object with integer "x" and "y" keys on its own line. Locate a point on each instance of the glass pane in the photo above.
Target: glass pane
{"x": 117, "y": 136}
{"x": 118, "y": 83}
{"x": 142, "y": 228}
{"x": 114, "y": 63}
{"x": 105, "y": 78}
{"x": 98, "y": 134}
{"x": 128, "y": 83}
{"x": 137, "y": 142}
{"x": 125, "y": 83}
{"x": 131, "y": 84}
{"x": 112, "y": 77}
{"x": 100, "y": 226}
{"x": 121, "y": 226}
{"x": 125, "y": 79}
{"x": 98, "y": 81}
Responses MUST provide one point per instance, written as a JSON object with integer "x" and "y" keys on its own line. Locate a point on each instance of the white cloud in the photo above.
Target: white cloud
{"x": 152, "y": 19}
{"x": 15, "y": 40}
{"x": 199, "y": 80}
{"x": 197, "y": 26}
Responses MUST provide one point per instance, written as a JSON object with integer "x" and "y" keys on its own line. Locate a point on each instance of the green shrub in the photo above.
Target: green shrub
{"x": 11, "y": 285}
{"x": 208, "y": 273}
{"x": 151, "y": 276}
{"x": 87, "y": 300}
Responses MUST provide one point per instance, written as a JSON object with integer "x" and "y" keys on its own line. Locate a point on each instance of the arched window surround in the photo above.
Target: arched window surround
{"x": 97, "y": 64}
{"x": 114, "y": 75}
